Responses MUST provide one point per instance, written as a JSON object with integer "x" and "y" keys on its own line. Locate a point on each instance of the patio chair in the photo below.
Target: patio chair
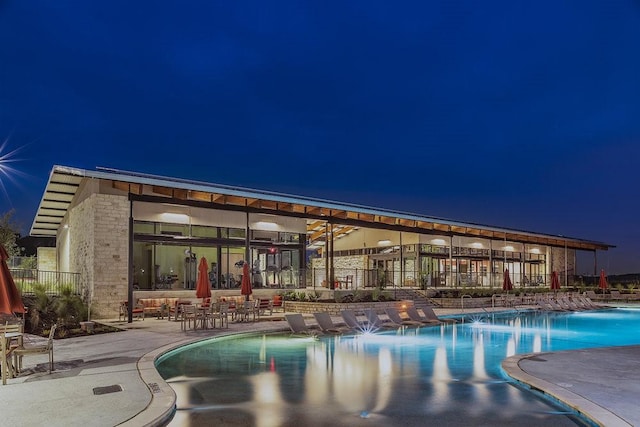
{"x": 413, "y": 314}
{"x": 7, "y": 348}
{"x": 277, "y": 303}
{"x": 431, "y": 315}
{"x": 47, "y": 347}
{"x": 262, "y": 305}
{"x": 326, "y": 324}
{"x": 188, "y": 314}
{"x": 124, "y": 312}
{"x": 221, "y": 312}
{"x": 249, "y": 308}
{"x": 394, "y": 316}
{"x": 298, "y": 325}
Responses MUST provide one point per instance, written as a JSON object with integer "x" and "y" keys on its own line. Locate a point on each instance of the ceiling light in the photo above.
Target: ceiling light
{"x": 177, "y": 218}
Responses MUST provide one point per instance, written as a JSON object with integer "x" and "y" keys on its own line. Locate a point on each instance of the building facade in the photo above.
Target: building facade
{"x": 129, "y": 234}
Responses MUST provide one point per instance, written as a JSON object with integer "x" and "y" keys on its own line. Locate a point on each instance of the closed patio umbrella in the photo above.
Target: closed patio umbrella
{"x": 10, "y": 299}
{"x": 602, "y": 283}
{"x": 555, "y": 282}
{"x": 203, "y": 287}
{"x": 506, "y": 282}
{"x": 245, "y": 289}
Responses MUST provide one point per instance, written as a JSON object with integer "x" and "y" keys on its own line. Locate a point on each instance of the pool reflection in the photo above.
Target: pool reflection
{"x": 449, "y": 373}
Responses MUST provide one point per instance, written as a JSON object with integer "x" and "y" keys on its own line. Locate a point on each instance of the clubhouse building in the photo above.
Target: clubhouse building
{"x": 130, "y": 234}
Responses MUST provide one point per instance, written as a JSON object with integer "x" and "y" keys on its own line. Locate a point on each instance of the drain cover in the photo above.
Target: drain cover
{"x": 108, "y": 389}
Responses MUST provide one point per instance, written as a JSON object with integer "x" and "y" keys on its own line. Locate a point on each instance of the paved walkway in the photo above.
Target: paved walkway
{"x": 602, "y": 383}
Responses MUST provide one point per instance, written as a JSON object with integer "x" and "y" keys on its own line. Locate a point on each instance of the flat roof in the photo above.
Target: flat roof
{"x": 64, "y": 182}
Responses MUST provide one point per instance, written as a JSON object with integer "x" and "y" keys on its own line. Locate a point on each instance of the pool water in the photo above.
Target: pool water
{"x": 443, "y": 375}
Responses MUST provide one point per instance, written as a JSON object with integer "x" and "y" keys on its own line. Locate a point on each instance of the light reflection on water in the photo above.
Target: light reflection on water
{"x": 449, "y": 374}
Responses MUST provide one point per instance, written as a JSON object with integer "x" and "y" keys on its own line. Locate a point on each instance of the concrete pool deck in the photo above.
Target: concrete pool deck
{"x": 601, "y": 383}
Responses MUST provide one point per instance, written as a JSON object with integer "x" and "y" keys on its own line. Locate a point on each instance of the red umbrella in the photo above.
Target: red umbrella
{"x": 10, "y": 299}
{"x": 506, "y": 283}
{"x": 203, "y": 287}
{"x": 555, "y": 282}
{"x": 245, "y": 289}
{"x": 602, "y": 284}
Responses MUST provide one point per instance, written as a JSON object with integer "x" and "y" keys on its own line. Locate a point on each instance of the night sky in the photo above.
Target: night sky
{"x": 516, "y": 114}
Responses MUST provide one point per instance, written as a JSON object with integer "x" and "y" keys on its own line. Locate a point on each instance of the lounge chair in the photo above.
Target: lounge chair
{"x": 556, "y": 306}
{"x": 376, "y": 322}
{"x": 47, "y": 347}
{"x": 352, "y": 321}
{"x": 298, "y": 325}
{"x": 566, "y": 302}
{"x": 590, "y": 304}
{"x": 413, "y": 314}
{"x": 326, "y": 324}
{"x": 544, "y": 305}
{"x": 394, "y": 316}
{"x": 431, "y": 315}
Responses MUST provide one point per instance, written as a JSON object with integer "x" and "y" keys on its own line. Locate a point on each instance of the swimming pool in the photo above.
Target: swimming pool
{"x": 447, "y": 375}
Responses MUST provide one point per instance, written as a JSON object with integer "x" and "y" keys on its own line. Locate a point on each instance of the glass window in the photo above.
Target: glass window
{"x": 203, "y": 231}
{"x": 173, "y": 229}
{"x": 232, "y": 233}
{"x": 143, "y": 227}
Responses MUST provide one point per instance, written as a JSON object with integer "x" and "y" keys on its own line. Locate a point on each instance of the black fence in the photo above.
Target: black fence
{"x": 52, "y": 281}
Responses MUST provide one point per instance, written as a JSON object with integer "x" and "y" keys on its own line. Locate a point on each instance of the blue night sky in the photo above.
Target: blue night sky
{"x": 516, "y": 114}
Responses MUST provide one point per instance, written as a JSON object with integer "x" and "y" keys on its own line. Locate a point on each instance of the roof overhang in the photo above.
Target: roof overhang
{"x": 65, "y": 181}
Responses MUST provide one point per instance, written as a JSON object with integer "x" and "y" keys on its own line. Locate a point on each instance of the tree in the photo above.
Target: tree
{"x": 9, "y": 232}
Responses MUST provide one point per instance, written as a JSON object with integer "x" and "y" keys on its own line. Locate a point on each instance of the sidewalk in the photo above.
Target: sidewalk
{"x": 66, "y": 397}
{"x": 603, "y": 383}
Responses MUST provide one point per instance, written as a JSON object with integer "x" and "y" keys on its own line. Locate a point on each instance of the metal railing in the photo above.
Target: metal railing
{"x": 52, "y": 281}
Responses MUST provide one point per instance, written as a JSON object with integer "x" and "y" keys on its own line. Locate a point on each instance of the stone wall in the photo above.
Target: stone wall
{"x": 557, "y": 263}
{"x": 99, "y": 250}
{"x": 334, "y": 309}
{"x": 355, "y": 266}
{"x": 47, "y": 259}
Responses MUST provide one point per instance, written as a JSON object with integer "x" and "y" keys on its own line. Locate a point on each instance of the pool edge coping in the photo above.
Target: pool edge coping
{"x": 599, "y": 415}
{"x": 162, "y": 405}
